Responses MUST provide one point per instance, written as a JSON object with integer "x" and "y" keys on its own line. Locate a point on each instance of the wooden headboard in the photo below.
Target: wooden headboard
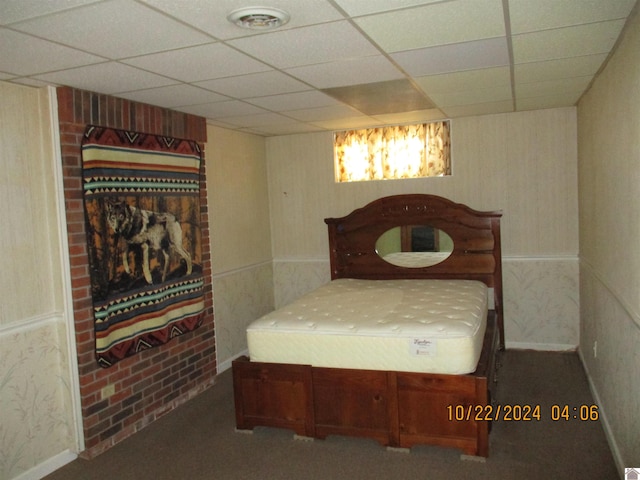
{"x": 476, "y": 242}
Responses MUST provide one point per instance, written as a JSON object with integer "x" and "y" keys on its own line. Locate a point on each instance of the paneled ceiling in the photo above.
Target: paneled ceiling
{"x": 337, "y": 64}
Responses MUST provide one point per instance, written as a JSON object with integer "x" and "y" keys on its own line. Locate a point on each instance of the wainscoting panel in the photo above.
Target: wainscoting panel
{"x": 37, "y": 423}
{"x": 240, "y": 297}
{"x": 610, "y": 351}
{"x": 294, "y": 278}
{"x": 541, "y": 302}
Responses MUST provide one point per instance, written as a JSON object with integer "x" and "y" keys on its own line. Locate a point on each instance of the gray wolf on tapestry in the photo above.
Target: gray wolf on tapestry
{"x": 159, "y": 231}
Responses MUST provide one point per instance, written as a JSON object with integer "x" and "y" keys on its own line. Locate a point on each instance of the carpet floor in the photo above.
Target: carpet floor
{"x": 198, "y": 440}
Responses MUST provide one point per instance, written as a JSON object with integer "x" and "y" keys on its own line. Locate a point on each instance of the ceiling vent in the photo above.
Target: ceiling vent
{"x": 259, "y": 18}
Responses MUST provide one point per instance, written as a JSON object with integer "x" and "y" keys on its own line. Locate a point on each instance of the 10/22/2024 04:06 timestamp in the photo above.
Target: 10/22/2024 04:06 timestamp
{"x": 522, "y": 413}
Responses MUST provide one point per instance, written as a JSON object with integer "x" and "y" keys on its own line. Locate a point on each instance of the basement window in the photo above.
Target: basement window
{"x": 403, "y": 151}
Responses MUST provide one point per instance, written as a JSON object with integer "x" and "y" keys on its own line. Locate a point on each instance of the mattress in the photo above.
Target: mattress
{"x": 431, "y": 326}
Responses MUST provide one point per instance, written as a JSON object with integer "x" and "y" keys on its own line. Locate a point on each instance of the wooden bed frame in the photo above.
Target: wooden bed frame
{"x": 398, "y": 409}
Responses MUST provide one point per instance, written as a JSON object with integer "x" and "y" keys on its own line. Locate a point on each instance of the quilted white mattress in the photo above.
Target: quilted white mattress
{"x": 434, "y": 326}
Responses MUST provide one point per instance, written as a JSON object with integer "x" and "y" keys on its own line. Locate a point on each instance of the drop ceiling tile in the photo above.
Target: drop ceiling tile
{"x": 452, "y": 58}
{"x": 108, "y": 78}
{"x": 350, "y": 123}
{"x": 356, "y": 8}
{"x": 568, "y": 86}
{"x": 285, "y": 129}
{"x": 220, "y": 123}
{"x": 561, "y": 68}
{"x": 528, "y": 16}
{"x": 293, "y": 101}
{"x": 349, "y": 71}
{"x": 473, "y": 96}
{"x": 259, "y": 120}
{"x": 12, "y": 11}
{"x": 255, "y": 85}
{"x": 437, "y": 24}
{"x": 322, "y": 43}
{"x": 479, "y": 109}
{"x": 174, "y": 96}
{"x": 30, "y": 82}
{"x": 417, "y": 116}
{"x": 114, "y": 29}
{"x": 204, "y": 62}
{"x": 26, "y": 55}
{"x": 231, "y": 108}
{"x": 566, "y": 42}
{"x": 323, "y": 113}
{"x": 551, "y": 101}
{"x": 460, "y": 81}
{"x": 211, "y": 16}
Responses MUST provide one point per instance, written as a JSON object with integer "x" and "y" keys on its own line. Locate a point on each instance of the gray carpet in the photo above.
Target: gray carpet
{"x": 198, "y": 440}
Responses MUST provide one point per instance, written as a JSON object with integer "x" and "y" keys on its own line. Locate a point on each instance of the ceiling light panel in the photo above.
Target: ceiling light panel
{"x": 452, "y": 58}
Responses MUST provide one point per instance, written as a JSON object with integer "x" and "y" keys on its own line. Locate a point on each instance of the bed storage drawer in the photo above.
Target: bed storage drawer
{"x": 273, "y": 395}
{"x": 353, "y": 403}
{"x": 428, "y": 413}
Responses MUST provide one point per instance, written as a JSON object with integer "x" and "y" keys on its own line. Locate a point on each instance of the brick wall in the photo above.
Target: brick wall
{"x": 155, "y": 381}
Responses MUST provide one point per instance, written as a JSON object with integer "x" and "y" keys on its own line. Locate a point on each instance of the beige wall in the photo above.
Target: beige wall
{"x": 522, "y": 163}
{"x": 37, "y": 426}
{"x": 238, "y": 205}
{"x": 609, "y": 186}
{"x": 240, "y": 236}
{"x": 29, "y": 229}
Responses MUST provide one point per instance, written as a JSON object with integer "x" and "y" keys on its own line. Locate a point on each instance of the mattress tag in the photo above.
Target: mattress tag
{"x": 422, "y": 346}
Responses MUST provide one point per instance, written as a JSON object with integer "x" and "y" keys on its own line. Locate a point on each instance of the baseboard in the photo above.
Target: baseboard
{"x": 542, "y": 347}
{"x": 613, "y": 445}
{"x": 48, "y": 466}
{"x": 226, "y": 365}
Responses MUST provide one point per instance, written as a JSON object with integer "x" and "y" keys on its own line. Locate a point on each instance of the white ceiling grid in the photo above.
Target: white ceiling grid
{"x": 451, "y": 57}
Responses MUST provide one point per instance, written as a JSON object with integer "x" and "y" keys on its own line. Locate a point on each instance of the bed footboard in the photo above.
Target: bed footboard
{"x": 398, "y": 409}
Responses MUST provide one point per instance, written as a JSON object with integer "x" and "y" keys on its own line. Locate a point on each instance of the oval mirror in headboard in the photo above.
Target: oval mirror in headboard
{"x": 414, "y": 246}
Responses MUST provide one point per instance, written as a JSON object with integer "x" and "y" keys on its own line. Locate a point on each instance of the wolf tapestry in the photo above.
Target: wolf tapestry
{"x": 141, "y": 198}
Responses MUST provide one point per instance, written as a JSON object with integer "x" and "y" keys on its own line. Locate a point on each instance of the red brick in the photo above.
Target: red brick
{"x": 178, "y": 363}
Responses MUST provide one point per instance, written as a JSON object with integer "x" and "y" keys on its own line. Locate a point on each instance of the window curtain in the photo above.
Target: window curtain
{"x": 405, "y": 151}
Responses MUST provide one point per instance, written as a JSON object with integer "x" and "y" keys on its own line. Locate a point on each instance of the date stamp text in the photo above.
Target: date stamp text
{"x": 521, "y": 413}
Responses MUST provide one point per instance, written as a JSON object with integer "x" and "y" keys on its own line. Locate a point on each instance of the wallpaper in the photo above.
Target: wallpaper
{"x": 34, "y": 397}
{"x": 541, "y": 303}
{"x": 609, "y": 146}
{"x": 294, "y": 278}
{"x": 610, "y": 349}
{"x": 37, "y": 423}
{"x": 239, "y": 298}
